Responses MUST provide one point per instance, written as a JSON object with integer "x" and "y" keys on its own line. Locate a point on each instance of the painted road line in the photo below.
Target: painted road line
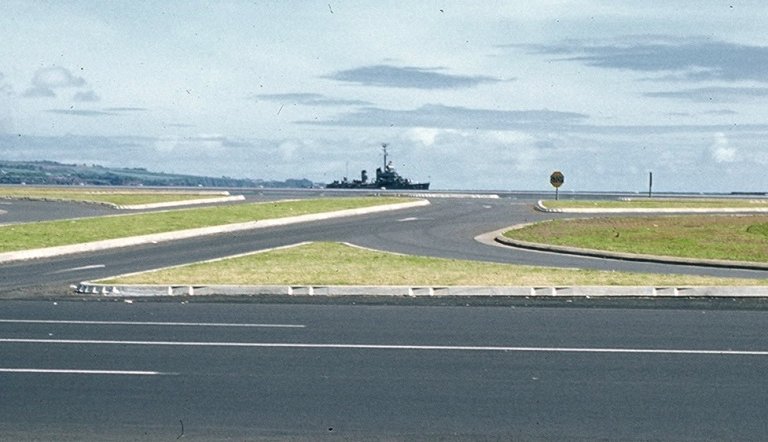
{"x": 77, "y": 269}
{"x": 86, "y": 372}
{"x": 654, "y": 351}
{"x": 135, "y": 323}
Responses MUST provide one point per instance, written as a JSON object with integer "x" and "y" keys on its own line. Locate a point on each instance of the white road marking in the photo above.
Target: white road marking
{"x": 77, "y": 269}
{"x": 391, "y": 347}
{"x": 407, "y": 219}
{"x": 134, "y": 323}
{"x": 90, "y": 372}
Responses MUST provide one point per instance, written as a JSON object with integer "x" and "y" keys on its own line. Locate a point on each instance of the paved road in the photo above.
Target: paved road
{"x": 446, "y": 228}
{"x": 157, "y": 371}
{"x": 145, "y": 371}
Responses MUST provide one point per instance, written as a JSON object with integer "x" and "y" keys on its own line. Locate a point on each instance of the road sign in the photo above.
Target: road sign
{"x": 557, "y": 179}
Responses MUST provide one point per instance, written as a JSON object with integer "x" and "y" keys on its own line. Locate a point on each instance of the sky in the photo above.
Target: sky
{"x": 479, "y": 95}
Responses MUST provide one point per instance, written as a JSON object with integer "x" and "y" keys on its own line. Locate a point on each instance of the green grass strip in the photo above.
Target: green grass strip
{"x": 122, "y": 197}
{"x": 338, "y": 264}
{"x": 736, "y": 238}
{"x": 56, "y": 233}
{"x": 659, "y": 203}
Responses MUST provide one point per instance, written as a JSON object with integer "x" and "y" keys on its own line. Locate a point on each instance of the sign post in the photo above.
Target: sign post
{"x": 557, "y": 179}
{"x": 650, "y": 184}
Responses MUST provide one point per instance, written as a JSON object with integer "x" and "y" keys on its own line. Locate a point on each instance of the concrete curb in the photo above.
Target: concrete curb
{"x": 203, "y": 231}
{"x": 451, "y": 195}
{"x": 539, "y": 206}
{"x": 132, "y": 291}
{"x": 222, "y": 199}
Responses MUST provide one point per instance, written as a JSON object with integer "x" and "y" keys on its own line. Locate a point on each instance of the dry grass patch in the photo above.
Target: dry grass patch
{"x": 338, "y": 264}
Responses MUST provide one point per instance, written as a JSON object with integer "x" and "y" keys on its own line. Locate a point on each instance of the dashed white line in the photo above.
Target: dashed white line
{"x": 85, "y": 372}
{"x": 135, "y": 323}
{"x": 77, "y": 269}
{"x": 393, "y": 347}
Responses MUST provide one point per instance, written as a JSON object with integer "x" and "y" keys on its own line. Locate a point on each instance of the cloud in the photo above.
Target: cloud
{"x": 46, "y": 81}
{"x": 439, "y": 116}
{"x": 5, "y": 88}
{"x": 713, "y": 94}
{"x": 721, "y": 112}
{"x": 126, "y": 109}
{"x": 86, "y": 96}
{"x": 717, "y": 112}
{"x": 38, "y": 92}
{"x": 81, "y": 112}
{"x": 109, "y": 111}
{"x": 424, "y": 135}
{"x": 204, "y": 145}
{"x": 661, "y": 129}
{"x": 408, "y": 77}
{"x": 721, "y": 150}
{"x": 307, "y": 99}
{"x": 691, "y": 59}
{"x": 7, "y": 98}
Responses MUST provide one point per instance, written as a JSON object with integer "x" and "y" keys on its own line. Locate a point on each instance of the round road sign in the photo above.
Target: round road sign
{"x": 557, "y": 179}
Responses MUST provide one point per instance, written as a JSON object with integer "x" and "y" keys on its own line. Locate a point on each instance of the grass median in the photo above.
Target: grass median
{"x": 118, "y": 197}
{"x": 660, "y": 203}
{"x": 14, "y": 237}
{"x": 734, "y": 238}
{"x": 338, "y": 264}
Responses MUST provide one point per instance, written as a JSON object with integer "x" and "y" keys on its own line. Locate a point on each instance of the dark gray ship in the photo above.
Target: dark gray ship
{"x": 386, "y": 178}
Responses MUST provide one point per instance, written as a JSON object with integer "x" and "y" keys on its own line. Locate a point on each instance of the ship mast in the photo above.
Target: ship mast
{"x": 384, "y": 148}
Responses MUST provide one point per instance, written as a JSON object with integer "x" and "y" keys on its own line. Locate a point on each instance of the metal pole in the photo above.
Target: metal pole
{"x": 557, "y": 193}
{"x": 650, "y": 185}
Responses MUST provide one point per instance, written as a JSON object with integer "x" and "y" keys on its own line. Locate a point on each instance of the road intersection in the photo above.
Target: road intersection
{"x": 446, "y": 228}
{"x": 537, "y": 368}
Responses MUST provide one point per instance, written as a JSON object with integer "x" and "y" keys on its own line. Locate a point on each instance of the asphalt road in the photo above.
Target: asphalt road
{"x": 446, "y": 228}
{"x": 158, "y": 371}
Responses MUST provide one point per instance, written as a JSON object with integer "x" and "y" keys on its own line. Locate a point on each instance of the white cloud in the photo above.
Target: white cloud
{"x": 6, "y": 97}
{"x": 203, "y": 145}
{"x": 5, "y": 88}
{"x": 166, "y": 144}
{"x": 721, "y": 151}
{"x": 511, "y": 137}
{"x": 288, "y": 149}
{"x": 424, "y": 135}
{"x": 46, "y": 81}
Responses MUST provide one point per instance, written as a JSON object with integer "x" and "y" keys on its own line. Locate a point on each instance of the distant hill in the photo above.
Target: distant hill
{"x": 49, "y": 172}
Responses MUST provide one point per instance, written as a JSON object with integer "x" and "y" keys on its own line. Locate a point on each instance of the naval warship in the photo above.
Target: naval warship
{"x": 386, "y": 178}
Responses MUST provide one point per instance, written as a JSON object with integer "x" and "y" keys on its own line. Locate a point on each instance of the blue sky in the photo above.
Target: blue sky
{"x": 470, "y": 95}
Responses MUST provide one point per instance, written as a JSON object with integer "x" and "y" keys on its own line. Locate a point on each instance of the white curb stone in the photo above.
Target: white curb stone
{"x": 129, "y": 291}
